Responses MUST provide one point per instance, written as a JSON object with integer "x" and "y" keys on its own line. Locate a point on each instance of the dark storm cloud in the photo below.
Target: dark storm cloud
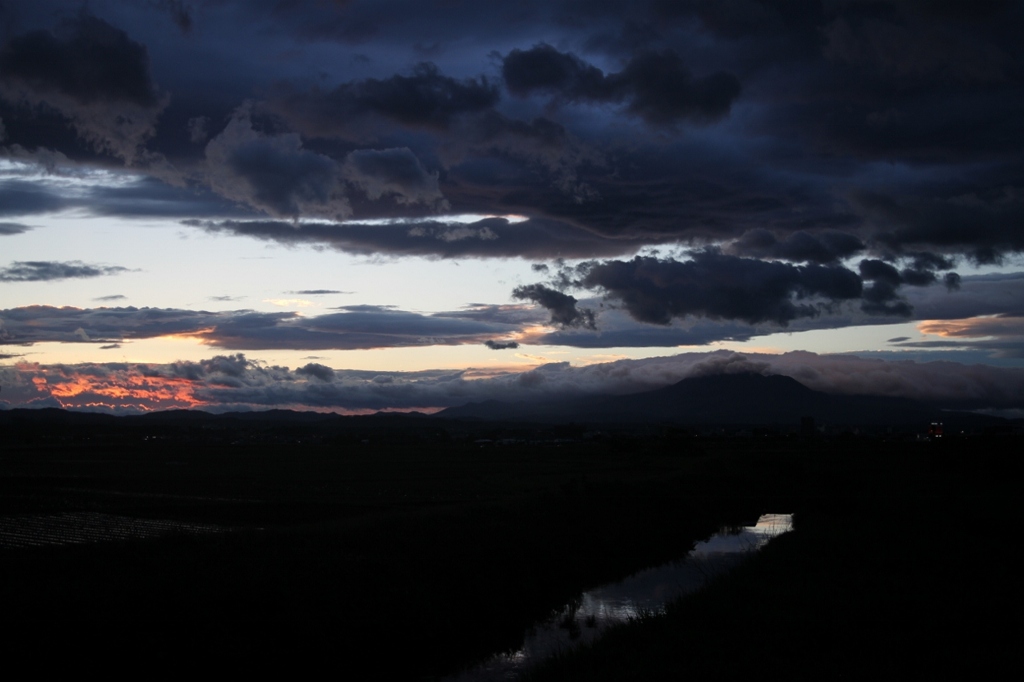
{"x": 274, "y": 172}
{"x": 85, "y": 58}
{"x": 488, "y": 237}
{"x": 685, "y": 190}
{"x": 48, "y": 271}
{"x": 91, "y": 72}
{"x": 546, "y": 69}
{"x": 424, "y": 99}
{"x": 919, "y": 86}
{"x": 396, "y": 173}
{"x": 828, "y": 246}
{"x": 883, "y": 298}
{"x": 562, "y": 306}
{"x": 718, "y": 286}
{"x": 8, "y": 229}
{"x": 982, "y": 222}
{"x": 978, "y": 296}
{"x": 655, "y": 86}
{"x": 494, "y": 161}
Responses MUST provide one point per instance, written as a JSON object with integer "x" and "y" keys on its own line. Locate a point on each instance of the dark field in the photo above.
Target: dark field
{"x": 413, "y": 551}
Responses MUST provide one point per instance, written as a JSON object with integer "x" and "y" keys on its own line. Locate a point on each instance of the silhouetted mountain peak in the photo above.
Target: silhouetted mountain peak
{"x": 749, "y": 382}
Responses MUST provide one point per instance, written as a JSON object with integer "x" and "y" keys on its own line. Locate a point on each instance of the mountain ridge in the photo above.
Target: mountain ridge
{"x": 738, "y": 398}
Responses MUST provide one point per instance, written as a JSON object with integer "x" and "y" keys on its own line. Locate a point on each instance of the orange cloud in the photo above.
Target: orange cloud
{"x": 118, "y": 389}
{"x": 974, "y": 327}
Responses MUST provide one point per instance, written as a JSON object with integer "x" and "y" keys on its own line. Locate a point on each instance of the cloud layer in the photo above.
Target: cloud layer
{"x": 680, "y": 172}
{"x": 232, "y": 382}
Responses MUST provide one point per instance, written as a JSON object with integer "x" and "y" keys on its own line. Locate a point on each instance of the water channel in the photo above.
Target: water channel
{"x": 645, "y": 592}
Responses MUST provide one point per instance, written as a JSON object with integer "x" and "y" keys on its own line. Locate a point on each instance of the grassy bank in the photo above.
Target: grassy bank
{"x": 912, "y": 567}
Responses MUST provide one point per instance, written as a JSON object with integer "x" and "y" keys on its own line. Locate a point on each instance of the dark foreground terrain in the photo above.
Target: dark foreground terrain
{"x": 909, "y": 568}
{"x": 413, "y": 550}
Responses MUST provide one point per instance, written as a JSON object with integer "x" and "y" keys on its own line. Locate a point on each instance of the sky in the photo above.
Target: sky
{"x": 356, "y": 205}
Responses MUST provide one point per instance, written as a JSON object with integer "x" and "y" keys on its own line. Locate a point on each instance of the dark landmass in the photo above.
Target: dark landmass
{"x": 742, "y": 399}
{"x": 411, "y": 546}
{"x": 909, "y": 566}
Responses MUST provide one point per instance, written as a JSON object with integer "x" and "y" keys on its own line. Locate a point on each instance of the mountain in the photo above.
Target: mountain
{"x": 736, "y": 399}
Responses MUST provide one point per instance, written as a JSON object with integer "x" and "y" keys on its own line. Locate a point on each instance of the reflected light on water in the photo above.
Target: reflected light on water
{"x": 645, "y": 592}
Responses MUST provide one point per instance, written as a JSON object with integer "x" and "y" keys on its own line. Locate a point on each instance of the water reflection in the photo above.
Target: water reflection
{"x": 645, "y": 592}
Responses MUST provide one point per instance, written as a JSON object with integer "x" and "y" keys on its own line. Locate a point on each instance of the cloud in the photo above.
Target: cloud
{"x": 360, "y": 327}
{"x": 48, "y": 271}
{"x": 980, "y": 222}
{"x": 1000, "y": 336}
{"x": 8, "y": 229}
{"x": 86, "y": 59}
{"x": 875, "y": 145}
{"x": 318, "y": 292}
{"x": 718, "y": 286}
{"x": 654, "y": 85}
{"x": 39, "y": 324}
{"x": 614, "y": 328}
{"x": 354, "y": 327}
{"x": 20, "y": 197}
{"x": 93, "y": 74}
{"x": 198, "y": 129}
{"x": 274, "y": 172}
{"x": 393, "y": 172}
{"x": 977, "y": 295}
{"x": 424, "y": 99}
{"x": 316, "y": 370}
{"x": 112, "y": 297}
{"x": 485, "y": 238}
{"x": 228, "y": 382}
{"x": 562, "y": 306}
{"x": 178, "y": 12}
{"x": 828, "y": 246}
{"x": 500, "y": 345}
{"x": 729, "y": 364}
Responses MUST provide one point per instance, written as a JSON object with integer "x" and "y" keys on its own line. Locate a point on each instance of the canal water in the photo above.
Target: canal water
{"x": 645, "y": 592}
